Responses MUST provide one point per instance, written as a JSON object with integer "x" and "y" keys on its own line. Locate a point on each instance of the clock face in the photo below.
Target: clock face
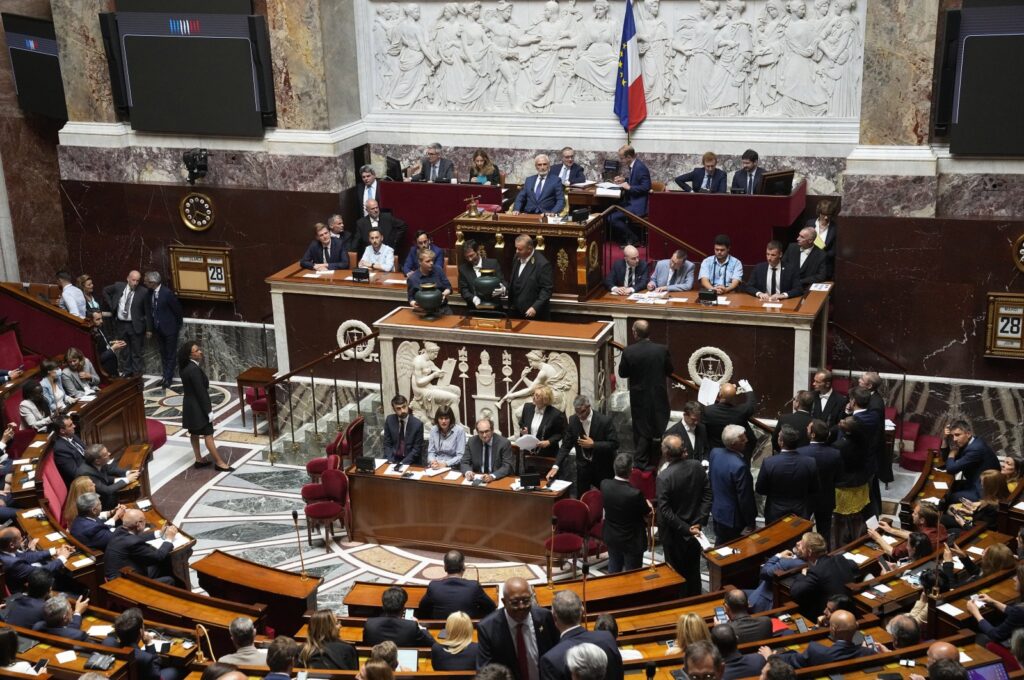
{"x": 197, "y": 211}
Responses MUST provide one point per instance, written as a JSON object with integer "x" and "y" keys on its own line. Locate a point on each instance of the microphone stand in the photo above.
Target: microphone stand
{"x": 653, "y": 573}
{"x": 298, "y": 541}
{"x": 551, "y": 552}
{"x": 586, "y": 572}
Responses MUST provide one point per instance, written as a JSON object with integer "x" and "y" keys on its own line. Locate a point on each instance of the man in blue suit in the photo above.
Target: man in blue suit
{"x": 568, "y": 612}
{"x": 843, "y": 625}
{"x": 61, "y": 620}
{"x": 403, "y": 434}
{"x": 972, "y": 456}
{"x": 541, "y": 193}
{"x": 19, "y": 560}
{"x": 789, "y": 480}
{"x": 737, "y": 665}
{"x": 748, "y": 177}
{"x": 453, "y": 593}
{"x": 733, "y": 508}
{"x": 569, "y": 172}
{"x": 88, "y": 527}
{"x": 26, "y": 609}
{"x": 770, "y": 281}
{"x": 165, "y": 311}
{"x": 830, "y": 466}
{"x": 325, "y": 252}
{"x": 708, "y": 179}
{"x": 673, "y": 275}
{"x": 629, "y": 274}
{"x": 635, "y": 183}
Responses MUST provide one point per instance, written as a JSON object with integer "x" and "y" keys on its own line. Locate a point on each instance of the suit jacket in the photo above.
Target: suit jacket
{"x": 606, "y": 444}
{"x": 337, "y": 655}
{"x": 551, "y": 199}
{"x": 104, "y": 352}
{"x": 813, "y": 269}
{"x": 140, "y": 319}
{"x": 246, "y": 656}
{"x": 576, "y": 174}
{"x": 683, "y": 495}
{"x": 752, "y": 628}
{"x": 18, "y": 566}
{"x": 834, "y": 409}
{"x": 700, "y": 448}
{"x": 695, "y": 178}
{"x": 732, "y": 488}
{"x": 553, "y": 665}
{"x": 873, "y": 427}
{"x": 625, "y": 516}
{"x": 165, "y": 311}
{"x": 467, "y": 279}
{"x": 501, "y": 456}
{"x": 790, "y": 482}
{"x": 757, "y": 281}
{"x": 146, "y": 661}
{"x": 739, "y": 180}
{"x": 337, "y": 257}
{"x": 22, "y": 610}
{"x": 498, "y": 646}
{"x": 854, "y": 451}
{"x": 126, "y": 549}
{"x": 107, "y": 480}
{"x": 73, "y": 385}
{"x": 617, "y": 276}
{"x": 799, "y": 420}
{"x": 412, "y": 259}
{"x": 1013, "y": 619}
{"x": 647, "y": 366}
{"x": 826, "y": 577}
{"x": 455, "y": 594}
{"x": 413, "y": 440}
{"x": 552, "y": 424}
{"x": 68, "y": 457}
{"x": 92, "y": 531}
{"x": 830, "y": 465}
{"x": 663, "y": 276}
{"x": 718, "y": 415}
{"x": 443, "y": 660}
{"x": 445, "y": 171}
{"x": 635, "y": 198}
{"x": 391, "y": 228}
{"x": 72, "y": 631}
{"x": 195, "y": 404}
{"x": 402, "y": 632}
{"x": 830, "y": 247}
{"x": 972, "y": 460}
{"x": 817, "y": 654}
{"x": 533, "y": 287}
{"x": 744, "y": 665}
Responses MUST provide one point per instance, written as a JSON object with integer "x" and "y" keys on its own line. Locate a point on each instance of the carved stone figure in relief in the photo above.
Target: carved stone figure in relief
{"x": 557, "y": 370}
{"x": 507, "y": 37}
{"x": 695, "y": 84}
{"x": 841, "y": 66}
{"x": 383, "y": 25}
{"x": 771, "y": 29}
{"x": 733, "y": 47}
{"x": 420, "y": 379}
{"x": 481, "y": 63}
{"x": 446, "y": 39}
{"x": 597, "y": 63}
{"x": 544, "y": 62}
{"x": 654, "y": 46}
{"x": 801, "y": 92}
{"x": 416, "y": 60}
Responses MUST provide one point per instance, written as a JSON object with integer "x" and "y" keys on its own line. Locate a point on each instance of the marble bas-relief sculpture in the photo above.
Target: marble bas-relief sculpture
{"x": 775, "y": 58}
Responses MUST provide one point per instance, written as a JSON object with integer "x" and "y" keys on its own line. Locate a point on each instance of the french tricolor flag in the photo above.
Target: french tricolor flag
{"x": 630, "y": 105}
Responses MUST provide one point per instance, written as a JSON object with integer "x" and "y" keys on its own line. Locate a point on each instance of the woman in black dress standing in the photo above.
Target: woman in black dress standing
{"x": 196, "y": 409}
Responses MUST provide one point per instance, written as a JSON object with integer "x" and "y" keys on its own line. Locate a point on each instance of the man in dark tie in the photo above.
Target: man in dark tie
{"x": 629, "y": 274}
{"x": 402, "y": 442}
{"x": 591, "y": 440}
{"x": 748, "y": 177}
{"x": 531, "y": 282}
{"x": 165, "y": 311}
{"x": 128, "y": 303}
{"x": 488, "y": 455}
{"x": 68, "y": 450}
{"x": 569, "y": 172}
{"x": 325, "y": 253}
{"x": 368, "y": 187}
{"x": 517, "y": 635}
{"x": 771, "y": 280}
{"x": 541, "y": 193}
{"x": 433, "y": 168}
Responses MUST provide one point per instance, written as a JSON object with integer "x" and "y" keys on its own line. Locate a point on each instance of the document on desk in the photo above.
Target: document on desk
{"x": 856, "y": 558}
{"x": 584, "y": 185}
{"x": 559, "y": 484}
{"x": 950, "y": 609}
{"x": 435, "y": 473}
{"x": 99, "y": 630}
{"x": 772, "y": 305}
{"x": 392, "y": 471}
{"x": 931, "y": 499}
{"x": 453, "y": 475}
{"x": 821, "y": 287}
{"x": 179, "y": 540}
{"x": 940, "y": 486}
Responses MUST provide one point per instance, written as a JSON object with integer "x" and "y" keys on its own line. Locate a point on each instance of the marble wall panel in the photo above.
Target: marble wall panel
{"x": 980, "y": 195}
{"x": 297, "y": 52}
{"x": 228, "y": 349}
{"x": 82, "y": 59}
{"x": 899, "y": 52}
{"x": 337, "y": 21}
{"x": 896, "y": 196}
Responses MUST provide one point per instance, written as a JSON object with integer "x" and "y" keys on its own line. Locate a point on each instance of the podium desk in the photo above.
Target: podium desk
{"x": 751, "y": 221}
{"x": 439, "y": 514}
{"x": 430, "y": 206}
{"x": 741, "y": 569}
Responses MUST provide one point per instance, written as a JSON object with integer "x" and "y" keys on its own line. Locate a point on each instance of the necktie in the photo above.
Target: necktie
{"x": 629, "y": 278}
{"x": 326, "y": 254}
{"x": 433, "y": 172}
{"x": 750, "y": 183}
{"x": 487, "y": 459}
{"x": 521, "y": 656}
{"x": 400, "y": 452}
{"x": 156, "y": 296}
{"x": 540, "y": 184}
{"x": 774, "y": 284}
{"x": 706, "y": 186}
{"x": 564, "y": 174}
{"x": 369, "y": 193}
{"x": 674, "y": 278}
{"x": 128, "y": 305}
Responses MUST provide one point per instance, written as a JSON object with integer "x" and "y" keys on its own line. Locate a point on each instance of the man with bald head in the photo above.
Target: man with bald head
{"x": 843, "y": 627}
{"x": 647, "y": 365}
{"x": 541, "y": 193}
{"x": 129, "y": 547}
{"x": 518, "y": 634}
{"x": 683, "y": 494}
{"x": 731, "y": 409}
{"x": 20, "y": 559}
{"x": 627, "y": 275}
{"x": 942, "y": 653}
{"x": 391, "y": 228}
{"x": 806, "y": 258}
{"x": 127, "y": 300}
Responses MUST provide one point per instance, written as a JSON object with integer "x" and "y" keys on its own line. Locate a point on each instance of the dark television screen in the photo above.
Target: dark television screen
{"x": 988, "y": 102}
{"x": 32, "y": 48}
{"x": 190, "y": 74}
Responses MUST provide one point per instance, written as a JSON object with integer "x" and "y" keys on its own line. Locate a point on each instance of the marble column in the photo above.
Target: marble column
{"x": 892, "y": 171}
{"x": 297, "y": 49}
{"x": 83, "y": 63}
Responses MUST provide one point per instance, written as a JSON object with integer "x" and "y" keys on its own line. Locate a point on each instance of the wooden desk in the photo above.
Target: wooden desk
{"x": 287, "y": 595}
{"x": 440, "y": 515}
{"x": 742, "y": 568}
{"x": 116, "y": 418}
{"x": 49, "y": 646}
{"x": 999, "y": 585}
{"x": 178, "y": 655}
{"x": 256, "y": 377}
{"x": 924, "y": 487}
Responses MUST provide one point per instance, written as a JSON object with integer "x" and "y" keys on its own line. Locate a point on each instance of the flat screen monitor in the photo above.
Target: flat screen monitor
{"x": 393, "y": 169}
{"x": 32, "y": 47}
{"x": 610, "y": 170}
{"x": 778, "y": 183}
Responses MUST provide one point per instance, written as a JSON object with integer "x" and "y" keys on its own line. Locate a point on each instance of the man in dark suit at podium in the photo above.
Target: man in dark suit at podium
{"x": 747, "y": 179}
{"x": 391, "y": 228}
{"x": 391, "y": 626}
{"x": 402, "y": 442}
{"x": 805, "y": 258}
{"x": 453, "y": 593}
{"x": 433, "y": 168}
{"x": 707, "y": 179}
{"x": 771, "y": 280}
{"x": 541, "y": 193}
{"x": 470, "y": 270}
{"x": 517, "y": 635}
{"x": 530, "y": 282}
{"x": 829, "y": 405}
{"x": 324, "y": 252}
{"x": 636, "y": 187}
{"x": 165, "y": 311}
{"x": 488, "y": 454}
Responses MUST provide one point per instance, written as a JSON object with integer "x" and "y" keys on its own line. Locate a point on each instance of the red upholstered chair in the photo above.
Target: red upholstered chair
{"x": 256, "y": 398}
{"x": 571, "y": 523}
{"x": 334, "y": 509}
{"x": 915, "y": 460}
{"x": 1005, "y": 654}
{"x": 595, "y": 521}
{"x": 156, "y": 433}
{"x": 643, "y": 480}
{"x": 336, "y": 449}
{"x": 315, "y": 491}
{"x": 354, "y": 438}
{"x": 11, "y": 355}
{"x": 54, "y": 490}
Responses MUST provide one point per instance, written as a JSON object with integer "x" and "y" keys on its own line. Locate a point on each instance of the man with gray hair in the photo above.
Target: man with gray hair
{"x": 88, "y": 526}
{"x": 433, "y": 168}
{"x": 541, "y": 193}
{"x": 61, "y": 620}
{"x": 243, "y": 634}
{"x": 567, "y": 609}
{"x": 588, "y": 445}
{"x": 531, "y": 282}
{"x": 587, "y": 661}
{"x": 733, "y": 508}
{"x": 805, "y": 258}
{"x": 164, "y": 310}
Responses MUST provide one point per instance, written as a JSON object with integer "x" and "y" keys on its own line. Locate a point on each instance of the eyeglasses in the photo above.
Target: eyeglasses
{"x": 704, "y": 676}
{"x": 519, "y": 602}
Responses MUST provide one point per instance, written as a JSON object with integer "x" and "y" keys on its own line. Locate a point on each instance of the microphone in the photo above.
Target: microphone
{"x": 650, "y": 669}
{"x": 585, "y": 568}
{"x": 551, "y": 551}
{"x": 298, "y": 541}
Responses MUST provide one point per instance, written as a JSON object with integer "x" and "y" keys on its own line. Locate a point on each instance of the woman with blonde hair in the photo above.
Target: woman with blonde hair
{"x": 85, "y": 284}
{"x": 543, "y": 420}
{"x": 984, "y": 511}
{"x": 457, "y": 652}
{"x": 324, "y": 650}
{"x": 483, "y": 170}
{"x": 690, "y": 628}
{"x": 79, "y": 486}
